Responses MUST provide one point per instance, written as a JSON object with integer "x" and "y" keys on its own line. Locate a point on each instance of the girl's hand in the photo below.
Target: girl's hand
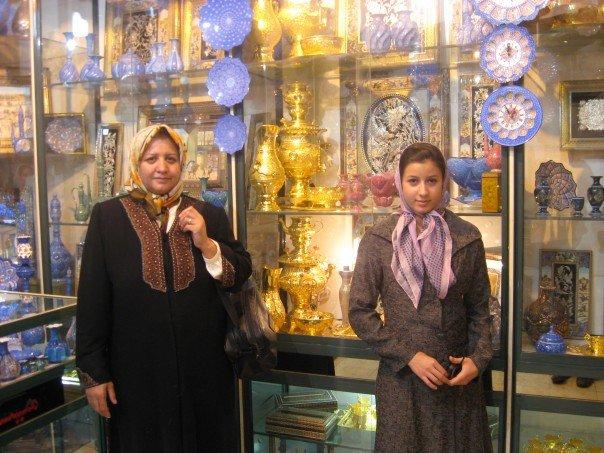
{"x": 191, "y": 220}
{"x": 469, "y": 371}
{"x": 428, "y": 370}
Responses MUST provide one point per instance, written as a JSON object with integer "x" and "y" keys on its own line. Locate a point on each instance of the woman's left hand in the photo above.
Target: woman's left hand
{"x": 191, "y": 220}
{"x": 469, "y": 371}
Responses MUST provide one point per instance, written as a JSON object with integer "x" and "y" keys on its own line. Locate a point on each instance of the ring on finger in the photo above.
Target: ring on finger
{"x": 189, "y": 220}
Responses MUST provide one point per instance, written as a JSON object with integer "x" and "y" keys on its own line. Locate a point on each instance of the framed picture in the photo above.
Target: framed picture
{"x": 569, "y": 271}
{"x": 16, "y": 125}
{"x": 358, "y": 18}
{"x": 108, "y": 156}
{"x": 582, "y": 115}
{"x": 196, "y": 54}
{"x": 136, "y": 25}
{"x": 195, "y": 122}
{"x": 474, "y": 89}
{"x": 65, "y": 133}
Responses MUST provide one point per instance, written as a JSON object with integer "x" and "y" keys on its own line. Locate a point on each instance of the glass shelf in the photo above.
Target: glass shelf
{"x": 462, "y": 211}
{"x": 567, "y": 217}
{"x": 26, "y": 381}
{"x": 77, "y": 224}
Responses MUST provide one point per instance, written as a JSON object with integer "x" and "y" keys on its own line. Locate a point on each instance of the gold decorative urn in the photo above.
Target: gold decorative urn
{"x": 270, "y": 296}
{"x": 267, "y": 174}
{"x": 300, "y": 149}
{"x": 303, "y": 274}
{"x": 266, "y": 30}
{"x": 300, "y": 19}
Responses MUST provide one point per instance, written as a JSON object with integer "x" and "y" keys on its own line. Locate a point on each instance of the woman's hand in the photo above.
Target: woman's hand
{"x": 97, "y": 398}
{"x": 191, "y": 220}
{"x": 469, "y": 371}
{"x": 428, "y": 370}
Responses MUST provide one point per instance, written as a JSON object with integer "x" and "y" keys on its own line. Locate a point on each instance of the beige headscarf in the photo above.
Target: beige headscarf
{"x": 157, "y": 205}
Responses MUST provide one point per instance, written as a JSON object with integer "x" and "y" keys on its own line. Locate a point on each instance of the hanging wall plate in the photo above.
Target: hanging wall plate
{"x": 391, "y": 124}
{"x": 225, "y": 23}
{"x": 229, "y": 134}
{"x": 508, "y": 11}
{"x": 511, "y": 115}
{"x": 507, "y": 53}
{"x": 228, "y": 81}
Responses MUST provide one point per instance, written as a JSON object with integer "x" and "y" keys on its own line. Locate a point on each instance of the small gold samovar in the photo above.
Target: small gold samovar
{"x": 300, "y": 150}
{"x": 303, "y": 274}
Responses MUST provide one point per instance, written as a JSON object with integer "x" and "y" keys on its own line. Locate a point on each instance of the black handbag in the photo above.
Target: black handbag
{"x": 250, "y": 340}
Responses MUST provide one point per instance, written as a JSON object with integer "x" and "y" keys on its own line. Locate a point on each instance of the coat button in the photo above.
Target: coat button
{"x": 441, "y": 335}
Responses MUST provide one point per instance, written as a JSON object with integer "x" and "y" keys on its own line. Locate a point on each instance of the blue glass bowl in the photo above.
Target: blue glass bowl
{"x": 225, "y": 23}
{"x": 228, "y": 81}
{"x": 467, "y": 173}
{"x": 230, "y": 134}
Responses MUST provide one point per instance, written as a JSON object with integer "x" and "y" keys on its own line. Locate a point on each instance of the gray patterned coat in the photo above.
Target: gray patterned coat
{"x": 411, "y": 416}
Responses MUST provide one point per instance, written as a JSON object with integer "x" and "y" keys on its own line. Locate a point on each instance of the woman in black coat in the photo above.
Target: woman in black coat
{"x": 150, "y": 324}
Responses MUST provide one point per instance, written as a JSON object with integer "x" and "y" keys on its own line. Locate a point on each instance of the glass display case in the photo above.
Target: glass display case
{"x": 329, "y": 92}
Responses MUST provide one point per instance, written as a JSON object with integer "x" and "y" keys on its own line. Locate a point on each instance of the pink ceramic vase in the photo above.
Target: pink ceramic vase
{"x": 382, "y": 188}
{"x": 354, "y": 191}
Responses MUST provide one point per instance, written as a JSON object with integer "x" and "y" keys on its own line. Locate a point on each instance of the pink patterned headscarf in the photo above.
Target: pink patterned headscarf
{"x": 430, "y": 251}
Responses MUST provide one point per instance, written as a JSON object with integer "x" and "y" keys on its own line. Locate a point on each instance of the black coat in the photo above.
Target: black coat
{"x": 150, "y": 320}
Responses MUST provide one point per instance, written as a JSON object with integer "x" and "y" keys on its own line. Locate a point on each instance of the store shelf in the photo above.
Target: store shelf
{"x": 39, "y": 319}
{"x": 77, "y": 224}
{"x": 27, "y": 381}
{"x": 325, "y": 345}
{"x": 568, "y": 364}
{"x": 72, "y": 405}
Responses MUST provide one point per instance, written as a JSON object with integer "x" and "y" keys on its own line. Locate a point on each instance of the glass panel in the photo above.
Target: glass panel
{"x": 76, "y": 432}
{"x": 546, "y": 431}
{"x": 17, "y": 191}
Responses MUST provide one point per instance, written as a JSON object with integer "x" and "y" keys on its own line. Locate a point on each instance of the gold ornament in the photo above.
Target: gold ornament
{"x": 300, "y": 152}
{"x": 270, "y": 296}
{"x": 299, "y": 18}
{"x": 267, "y": 174}
{"x": 303, "y": 274}
{"x": 266, "y": 30}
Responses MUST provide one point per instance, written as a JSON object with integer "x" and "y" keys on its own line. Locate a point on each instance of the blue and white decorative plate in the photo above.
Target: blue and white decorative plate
{"x": 230, "y": 134}
{"x": 507, "y": 53}
{"x": 391, "y": 124}
{"x": 508, "y": 11}
{"x": 511, "y": 115}
{"x": 225, "y": 23}
{"x": 228, "y": 81}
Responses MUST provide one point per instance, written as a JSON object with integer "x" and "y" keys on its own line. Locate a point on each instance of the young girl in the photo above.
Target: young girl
{"x": 428, "y": 266}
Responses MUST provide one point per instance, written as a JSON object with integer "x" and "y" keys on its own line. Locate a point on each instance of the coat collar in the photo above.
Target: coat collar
{"x": 463, "y": 233}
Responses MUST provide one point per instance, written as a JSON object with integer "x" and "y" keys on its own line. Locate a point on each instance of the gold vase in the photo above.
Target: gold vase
{"x": 300, "y": 19}
{"x": 267, "y": 174}
{"x": 266, "y": 30}
{"x": 300, "y": 150}
{"x": 270, "y": 296}
{"x": 303, "y": 274}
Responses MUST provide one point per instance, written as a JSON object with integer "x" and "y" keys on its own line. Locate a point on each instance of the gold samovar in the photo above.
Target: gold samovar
{"x": 300, "y": 150}
{"x": 304, "y": 273}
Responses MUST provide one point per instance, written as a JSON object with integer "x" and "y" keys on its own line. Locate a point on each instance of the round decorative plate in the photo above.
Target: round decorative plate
{"x": 225, "y": 23}
{"x": 563, "y": 186}
{"x": 65, "y": 135}
{"x": 507, "y": 53}
{"x": 511, "y": 115}
{"x": 508, "y": 11}
{"x": 230, "y": 134}
{"x": 228, "y": 81}
{"x": 391, "y": 124}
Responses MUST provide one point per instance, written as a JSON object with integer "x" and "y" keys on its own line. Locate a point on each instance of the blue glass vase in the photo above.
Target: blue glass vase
{"x": 25, "y": 252}
{"x": 68, "y": 73}
{"x": 174, "y": 65}
{"x": 89, "y": 51}
{"x": 551, "y": 342}
{"x": 60, "y": 259}
{"x": 9, "y": 367}
{"x": 157, "y": 63}
{"x": 33, "y": 336}
{"x": 216, "y": 197}
{"x": 94, "y": 74}
{"x": 56, "y": 348}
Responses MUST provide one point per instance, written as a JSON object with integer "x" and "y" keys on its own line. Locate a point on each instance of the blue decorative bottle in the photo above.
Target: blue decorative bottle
{"x": 551, "y": 342}
{"x": 89, "y": 51}
{"x": 56, "y": 348}
{"x": 69, "y": 72}
{"x": 174, "y": 64}
{"x": 60, "y": 259}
